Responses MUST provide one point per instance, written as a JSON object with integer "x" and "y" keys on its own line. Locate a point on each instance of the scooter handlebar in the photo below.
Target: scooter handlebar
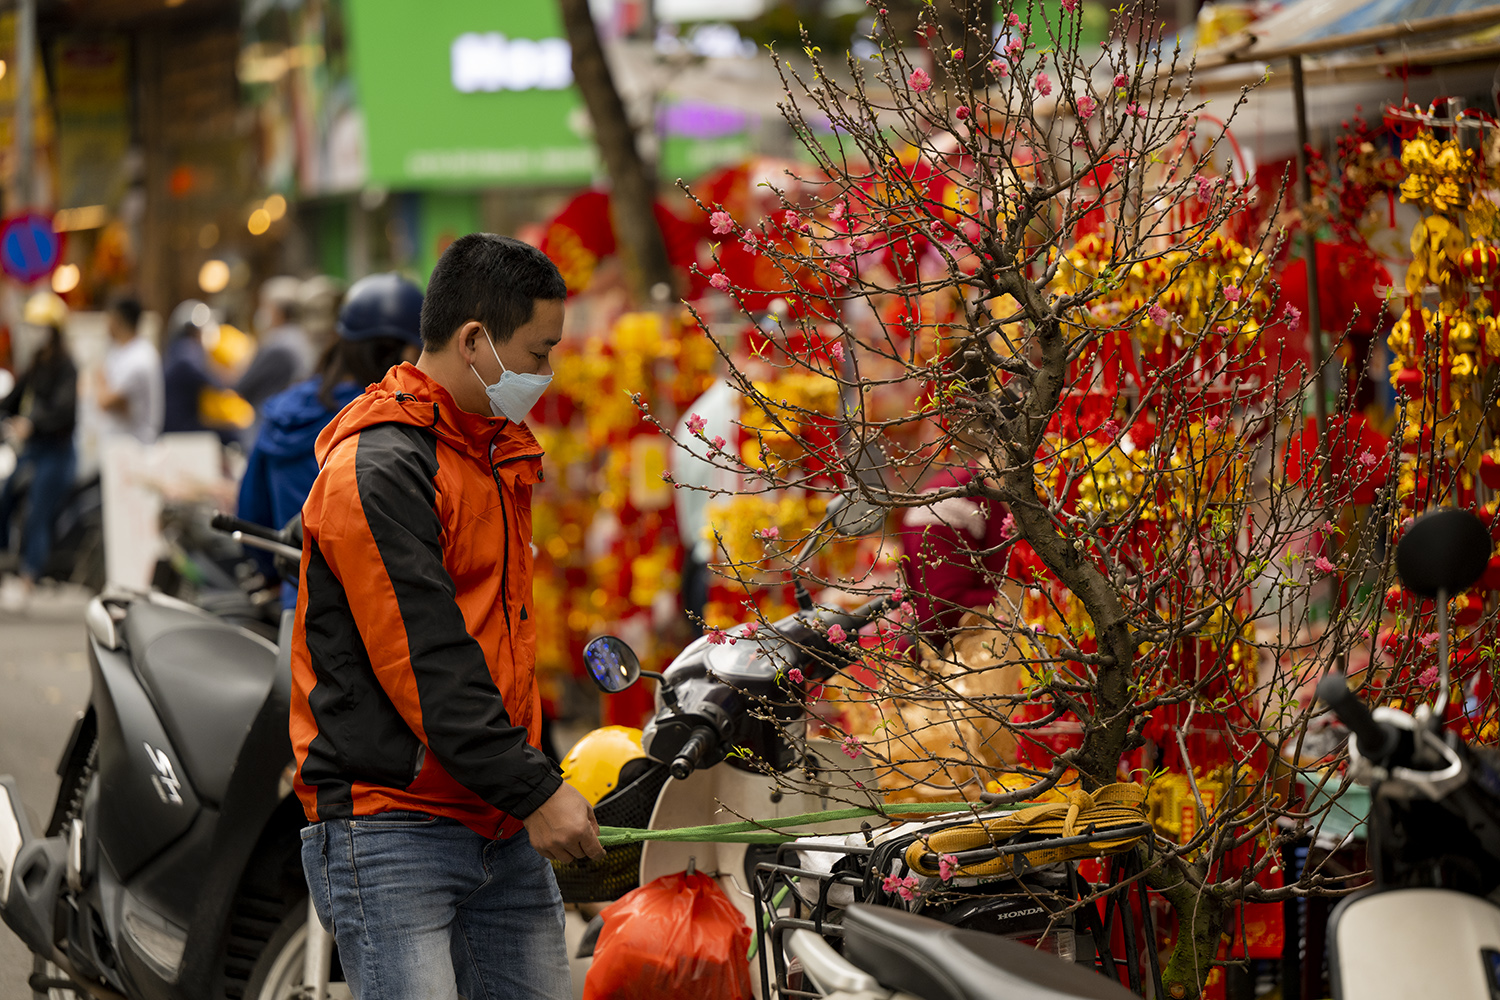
{"x": 230, "y": 524}
{"x": 693, "y": 751}
{"x": 1376, "y": 739}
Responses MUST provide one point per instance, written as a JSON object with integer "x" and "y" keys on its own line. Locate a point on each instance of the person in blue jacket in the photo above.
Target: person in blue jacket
{"x": 378, "y": 328}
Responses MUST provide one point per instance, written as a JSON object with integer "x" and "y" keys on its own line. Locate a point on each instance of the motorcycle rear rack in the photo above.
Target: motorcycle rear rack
{"x": 776, "y": 883}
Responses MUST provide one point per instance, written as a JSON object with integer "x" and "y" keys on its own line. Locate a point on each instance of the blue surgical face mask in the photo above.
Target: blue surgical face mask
{"x": 516, "y": 393}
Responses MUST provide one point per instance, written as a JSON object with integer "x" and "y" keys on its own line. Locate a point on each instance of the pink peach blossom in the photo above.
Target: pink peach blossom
{"x": 961, "y": 112}
{"x": 722, "y": 222}
{"x": 794, "y": 675}
{"x": 837, "y": 350}
{"x": 720, "y": 281}
{"x": 695, "y": 423}
{"x": 1086, "y": 106}
{"x": 1043, "y": 84}
{"x": 947, "y": 865}
{"x": 919, "y": 80}
{"x": 851, "y": 746}
{"x": 836, "y": 634}
{"x": 1323, "y": 565}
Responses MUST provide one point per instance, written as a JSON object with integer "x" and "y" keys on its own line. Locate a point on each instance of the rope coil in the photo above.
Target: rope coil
{"x": 1120, "y": 806}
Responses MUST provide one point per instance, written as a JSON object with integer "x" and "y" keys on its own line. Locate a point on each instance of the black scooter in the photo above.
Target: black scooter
{"x": 170, "y": 865}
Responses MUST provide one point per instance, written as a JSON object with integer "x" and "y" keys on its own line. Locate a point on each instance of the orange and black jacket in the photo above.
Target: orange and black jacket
{"x": 414, "y": 649}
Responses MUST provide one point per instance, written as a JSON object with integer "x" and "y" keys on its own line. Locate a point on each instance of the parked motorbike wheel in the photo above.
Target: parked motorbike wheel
{"x": 260, "y": 950}
{"x": 279, "y": 972}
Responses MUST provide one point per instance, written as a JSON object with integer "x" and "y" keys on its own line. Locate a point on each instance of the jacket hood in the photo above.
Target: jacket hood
{"x": 407, "y": 396}
{"x": 292, "y": 420}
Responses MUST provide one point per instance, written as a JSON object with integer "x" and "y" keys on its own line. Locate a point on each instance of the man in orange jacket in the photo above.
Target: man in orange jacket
{"x": 415, "y": 713}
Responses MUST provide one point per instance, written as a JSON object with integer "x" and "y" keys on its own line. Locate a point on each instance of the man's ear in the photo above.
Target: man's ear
{"x": 467, "y": 339}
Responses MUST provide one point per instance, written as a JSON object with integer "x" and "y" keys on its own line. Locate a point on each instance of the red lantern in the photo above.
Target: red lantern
{"x": 1489, "y": 470}
{"x": 1397, "y": 598}
{"x": 1480, "y": 264}
{"x": 1491, "y": 578}
{"x": 1409, "y": 381}
{"x": 1467, "y": 609}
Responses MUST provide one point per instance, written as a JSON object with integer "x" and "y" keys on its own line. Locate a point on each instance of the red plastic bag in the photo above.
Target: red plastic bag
{"x": 676, "y": 938}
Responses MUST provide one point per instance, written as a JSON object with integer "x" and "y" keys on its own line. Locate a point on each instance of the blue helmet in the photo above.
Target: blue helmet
{"x": 382, "y": 305}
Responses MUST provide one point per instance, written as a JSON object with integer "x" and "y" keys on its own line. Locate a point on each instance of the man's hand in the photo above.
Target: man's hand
{"x": 563, "y": 829}
{"x": 19, "y": 429}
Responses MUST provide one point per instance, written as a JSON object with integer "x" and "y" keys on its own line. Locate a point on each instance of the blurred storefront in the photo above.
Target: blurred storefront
{"x": 395, "y": 127}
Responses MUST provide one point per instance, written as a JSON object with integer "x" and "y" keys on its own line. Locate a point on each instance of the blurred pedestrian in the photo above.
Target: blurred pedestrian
{"x": 42, "y": 413}
{"x": 378, "y": 328}
{"x": 185, "y": 369}
{"x": 130, "y": 390}
{"x": 285, "y": 355}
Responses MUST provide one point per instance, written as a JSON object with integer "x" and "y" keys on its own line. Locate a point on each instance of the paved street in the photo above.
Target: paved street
{"x": 44, "y": 683}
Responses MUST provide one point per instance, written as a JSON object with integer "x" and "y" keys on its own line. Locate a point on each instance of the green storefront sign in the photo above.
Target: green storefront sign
{"x": 466, "y": 93}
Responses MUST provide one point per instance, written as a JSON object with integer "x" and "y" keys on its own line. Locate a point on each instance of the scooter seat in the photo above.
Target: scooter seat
{"x": 207, "y": 679}
{"x": 937, "y": 962}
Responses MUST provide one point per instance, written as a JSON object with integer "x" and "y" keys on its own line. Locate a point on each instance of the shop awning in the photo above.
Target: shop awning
{"x": 1364, "y": 34}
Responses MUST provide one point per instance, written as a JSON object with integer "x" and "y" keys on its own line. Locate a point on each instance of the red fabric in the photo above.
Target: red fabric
{"x": 943, "y": 572}
{"x": 1349, "y": 438}
{"x": 584, "y": 225}
{"x": 1349, "y": 277}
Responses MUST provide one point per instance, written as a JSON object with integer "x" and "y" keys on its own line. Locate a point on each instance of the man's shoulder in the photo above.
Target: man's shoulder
{"x": 390, "y": 449}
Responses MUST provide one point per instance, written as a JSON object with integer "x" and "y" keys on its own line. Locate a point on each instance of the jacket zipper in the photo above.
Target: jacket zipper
{"x": 505, "y": 524}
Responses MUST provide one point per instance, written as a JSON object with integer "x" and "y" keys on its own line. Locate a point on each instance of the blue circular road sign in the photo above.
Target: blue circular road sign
{"x": 29, "y": 248}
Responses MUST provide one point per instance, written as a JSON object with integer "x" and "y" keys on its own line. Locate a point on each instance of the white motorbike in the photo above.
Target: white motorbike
{"x": 1429, "y": 926}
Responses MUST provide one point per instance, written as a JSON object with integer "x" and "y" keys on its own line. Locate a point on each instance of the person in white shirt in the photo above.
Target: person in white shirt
{"x": 130, "y": 393}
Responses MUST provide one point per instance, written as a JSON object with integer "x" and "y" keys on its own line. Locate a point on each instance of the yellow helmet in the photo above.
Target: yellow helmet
{"x": 595, "y": 763}
{"x": 45, "y": 309}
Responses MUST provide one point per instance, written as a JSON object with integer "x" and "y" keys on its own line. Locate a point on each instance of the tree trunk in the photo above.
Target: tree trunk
{"x": 638, "y": 238}
{"x": 1200, "y": 922}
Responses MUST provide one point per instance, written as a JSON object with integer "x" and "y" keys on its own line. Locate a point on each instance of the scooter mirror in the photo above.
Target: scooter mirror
{"x": 1445, "y": 550}
{"x": 612, "y": 663}
{"x": 853, "y": 518}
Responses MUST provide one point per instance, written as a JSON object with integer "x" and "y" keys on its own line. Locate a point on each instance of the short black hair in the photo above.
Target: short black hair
{"x": 128, "y": 308}
{"x": 493, "y": 279}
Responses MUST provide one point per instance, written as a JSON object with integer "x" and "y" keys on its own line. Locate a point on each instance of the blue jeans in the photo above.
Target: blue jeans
{"x": 52, "y": 466}
{"x": 423, "y": 908}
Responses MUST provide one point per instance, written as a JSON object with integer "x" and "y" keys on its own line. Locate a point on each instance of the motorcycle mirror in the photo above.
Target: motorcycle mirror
{"x": 611, "y": 663}
{"x": 1445, "y": 551}
{"x": 854, "y": 517}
